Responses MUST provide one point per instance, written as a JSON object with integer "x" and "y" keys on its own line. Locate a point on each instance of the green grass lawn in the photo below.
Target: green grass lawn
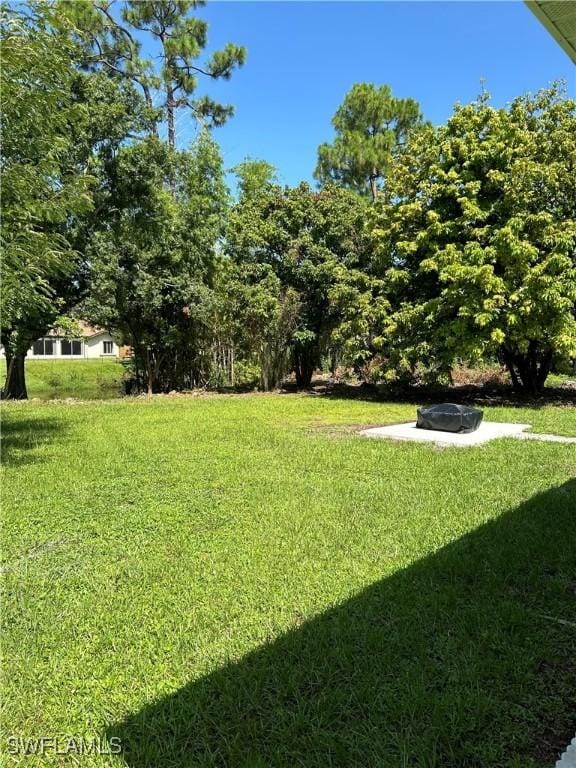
{"x": 242, "y": 581}
{"x": 82, "y": 379}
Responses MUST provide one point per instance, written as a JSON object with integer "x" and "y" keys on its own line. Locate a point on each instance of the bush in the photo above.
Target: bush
{"x": 488, "y": 375}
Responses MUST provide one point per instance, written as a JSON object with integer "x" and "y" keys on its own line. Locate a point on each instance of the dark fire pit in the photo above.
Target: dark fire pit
{"x": 449, "y": 417}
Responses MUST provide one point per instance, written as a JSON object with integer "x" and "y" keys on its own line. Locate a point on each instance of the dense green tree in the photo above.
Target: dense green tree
{"x": 106, "y": 207}
{"x": 254, "y": 177}
{"x": 370, "y": 124}
{"x": 476, "y": 240}
{"x": 153, "y": 266}
{"x": 253, "y": 323}
{"x": 43, "y": 183}
{"x": 61, "y": 125}
{"x": 313, "y": 242}
{"x": 256, "y": 314}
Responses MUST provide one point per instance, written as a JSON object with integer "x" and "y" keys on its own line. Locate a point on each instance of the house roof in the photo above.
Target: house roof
{"x": 87, "y": 331}
{"x": 559, "y": 18}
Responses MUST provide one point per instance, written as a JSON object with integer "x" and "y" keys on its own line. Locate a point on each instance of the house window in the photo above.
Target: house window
{"x": 43, "y": 347}
{"x": 108, "y": 347}
{"x": 71, "y": 347}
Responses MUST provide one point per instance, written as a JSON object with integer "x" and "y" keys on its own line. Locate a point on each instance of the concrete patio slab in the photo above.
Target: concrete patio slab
{"x": 488, "y": 430}
{"x": 549, "y": 438}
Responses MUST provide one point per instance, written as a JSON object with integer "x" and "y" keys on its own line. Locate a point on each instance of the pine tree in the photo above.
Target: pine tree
{"x": 182, "y": 38}
{"x": 370, "y": 124}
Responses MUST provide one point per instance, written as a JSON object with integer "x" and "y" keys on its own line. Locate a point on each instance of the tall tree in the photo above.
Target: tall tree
{"x": 313, "y": 242}
{"x": 182, "y": 38}
{"x": 41, "y": 190}
{"x": 59, "y": 126}
{"x": 153, "y": 265}
{"x": 369, "y": 125}
{"x": 476, "y": 240}
{"x": 111, "y": 33}
{"x": 254, "y": 316}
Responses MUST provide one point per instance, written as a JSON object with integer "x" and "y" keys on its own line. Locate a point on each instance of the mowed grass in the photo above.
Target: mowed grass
{"x": 243, "y": 581}
{"x": 61, "y": 379}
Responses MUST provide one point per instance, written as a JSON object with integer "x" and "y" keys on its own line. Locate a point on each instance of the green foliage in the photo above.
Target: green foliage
{"x": 468, "y": 255}
{"x": 111, "y": 33}
{"x": 41, "y": 190}
{"x": 182, "y": 39}
{"x": 60, "y": 126}
{"x": 476, "y": 240}
{"x": 153, "y": 253}
{"x": 255, "y": 320}
{"x": 254, "y": 177}
{"x": 46, "y": 184}
{"x": 313, "y": 242}
{"x": 370, "y": 125}
{"x": 153, "y": 266}
{"x": 107, "y": 46}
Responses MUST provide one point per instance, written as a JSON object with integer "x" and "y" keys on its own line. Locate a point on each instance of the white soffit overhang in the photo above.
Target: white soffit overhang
{"x": 559, "y": 18}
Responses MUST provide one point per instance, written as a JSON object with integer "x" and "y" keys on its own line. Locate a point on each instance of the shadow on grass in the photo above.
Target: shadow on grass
{"x": 466, "y": 658}
{"x": 22, "y": 436}
{"x": 466, "y": 395}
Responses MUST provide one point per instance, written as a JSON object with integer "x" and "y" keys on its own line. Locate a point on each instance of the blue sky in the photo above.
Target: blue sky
{"x": 304, "y": 56}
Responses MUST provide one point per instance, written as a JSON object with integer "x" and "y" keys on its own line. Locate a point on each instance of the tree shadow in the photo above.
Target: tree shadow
{"x": 466, "y": 658}
{"x": 465, "y": 395}
{"x": 21, "y": 437}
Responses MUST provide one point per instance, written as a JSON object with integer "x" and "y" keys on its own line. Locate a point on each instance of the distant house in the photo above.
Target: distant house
{"x": 93, "y": 343}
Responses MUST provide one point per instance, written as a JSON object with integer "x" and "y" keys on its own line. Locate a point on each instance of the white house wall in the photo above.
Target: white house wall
{"x": 92, "y": 349}
{"x": 94, "y": 346}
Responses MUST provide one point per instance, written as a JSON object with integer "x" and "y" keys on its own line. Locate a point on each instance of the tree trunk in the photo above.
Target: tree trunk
{"x": 528, "y": 370}
{"x": 170, "y": 115}
{"x": 170, "y": 108}
{"x": 171, "y": 129}
{"x": 303, "y": 367}
{"x": 15, "y": 384}
{"x": 149, "y": 374}
{"x": 333, "y": 364}
{"x": 264, "y": 368}
{"x": 150, "y": 105}
{"x": 373, "y": 187}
